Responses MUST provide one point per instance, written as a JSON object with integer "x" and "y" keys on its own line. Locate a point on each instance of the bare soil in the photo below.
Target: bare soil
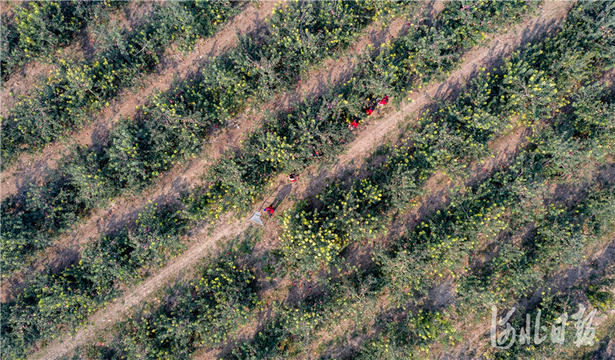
{"x": 124, "y": 210}
{"x": 6, "y": 7}
{"x": 81, "y": 47}
{"x": 32, "y": 167}
{"x": 368, "y": 139}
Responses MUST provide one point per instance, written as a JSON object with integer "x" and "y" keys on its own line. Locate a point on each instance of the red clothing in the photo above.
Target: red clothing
{"x": 292, "y": 177}
{"x": 369, "y": 110}
{"x": 355, "y": 123}
{"x": 269, "y": 210}
{"x": 384, "y": 100}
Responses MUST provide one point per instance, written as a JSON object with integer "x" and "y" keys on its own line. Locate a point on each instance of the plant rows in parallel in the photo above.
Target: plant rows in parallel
{"x": 175, "y": 123}
{"x": 530, "y": 86}
{"x": 37, "y": 28}
{"x": 70, "y": 295}
{"x": 317, "y": 129}
{"x": 510, "y": 199}
{"x": 413, "y": 265}
{"x": 75, "y": 89}
{"x": 537, "y": 236}
{"x": 513, "y": 199}
{"x": 54, "y": 299}
{"x": 439, "y": 245}
{"x": 157, "y": 346}
{"x": 557, "y": 240}
{"x": 95, "y": 277}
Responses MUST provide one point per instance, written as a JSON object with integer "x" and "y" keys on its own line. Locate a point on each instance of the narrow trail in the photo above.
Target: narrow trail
{"x": 32, "y": 167}
{"x": 116, "y": 310}
{"x": 372, "y": 135}
{"x": 126, "y": 209}
{"x": 376, "y": 133}
{"x": 436, "y": 199}
{"x": 389, "y": 124}
{"x": 82, "y": 46}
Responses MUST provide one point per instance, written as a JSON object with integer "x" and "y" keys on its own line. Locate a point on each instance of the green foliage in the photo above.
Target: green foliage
{"x": 53, "y": 301}
{"x": 430, "y": 51}
{"x": 449, "y": 139}
{"x": 204, "y": 312}
{"x": 40, "y": 27}
{"x": 173, "y": 125}
{"x": 317, "y": 130}
{"x": 74, "y": 90}
{"x": 510, "y": 200}
{"x": 410, "y": 336}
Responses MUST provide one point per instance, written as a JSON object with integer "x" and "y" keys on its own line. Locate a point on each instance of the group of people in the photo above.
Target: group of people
{"x": 370, "y": 110}
{"x": 293, "y": 177}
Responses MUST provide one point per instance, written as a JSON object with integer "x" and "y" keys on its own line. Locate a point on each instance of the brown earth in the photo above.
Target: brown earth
{"x": 6, "y": 7}
{"x": 368, "y": 139}
{"x": 25, "y": 77}
{"x": 124, "y": 210}
{"x": 32, "y": 167}
{"x": 439, "y": 185}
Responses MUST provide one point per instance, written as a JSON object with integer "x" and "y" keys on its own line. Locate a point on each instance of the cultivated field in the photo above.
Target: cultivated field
{"x": 435, "y": 179}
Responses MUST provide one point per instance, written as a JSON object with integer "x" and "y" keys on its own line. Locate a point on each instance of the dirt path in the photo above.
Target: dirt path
{"x": 376, "y": 133}
{"x": 370, "y": 137}
{"x": 32, "y": 167}
{"x": 81, "y": 47}
{"x": 389, "y": 124}
{"x": 124, "y": 210}
{"x": 6, "y": 7}
{"x": 117, "y": 309}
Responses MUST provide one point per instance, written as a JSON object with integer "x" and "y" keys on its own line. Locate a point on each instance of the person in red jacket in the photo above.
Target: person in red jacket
{"x": 369, "y": 110}
{"x": 293, "y": 177}
{"x": 354, "y": 123}
{"x": 270, "y": 210}
{"x": 384, "y": 101}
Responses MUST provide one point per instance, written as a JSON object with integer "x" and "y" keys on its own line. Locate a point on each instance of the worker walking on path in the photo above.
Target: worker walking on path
{"x": 270, "y": 210}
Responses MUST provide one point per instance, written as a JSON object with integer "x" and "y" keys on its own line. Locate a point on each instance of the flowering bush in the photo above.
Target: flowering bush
{"x": 317, "y": 129}
{"x": 441, "y": 245}
{"x": 74, "y": 89}
{"x": 53, "y": 300}
{"x": 513, "y": 201}
{"x": 507, "y": 201}
{"x": 39, "y": 27}
{"x": 174, "y": 124}
{"x": 449, "y": 139}
{"x": 438, "y": 247}
{"x": 205, "y": 311}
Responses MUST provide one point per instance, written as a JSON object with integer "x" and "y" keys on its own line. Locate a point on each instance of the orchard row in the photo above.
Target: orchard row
{"x": 174, "y": 124}
{"x": 37, "y": 28}
{"x": 70, "y": 295}
{"x": 508, "y": 201}
{"x": 92, "y": 280}
{"x": 68, "y": 98}
{"x": 317, "y": 130}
